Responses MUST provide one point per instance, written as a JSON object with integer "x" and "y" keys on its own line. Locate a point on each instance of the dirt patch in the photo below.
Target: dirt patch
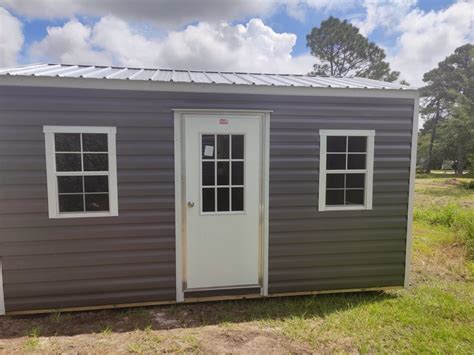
{"x": 248, "y": 339}
{"x": 446, "y": 262}
{"x": 251, "y": 340}
{"x": 451, "y": 182}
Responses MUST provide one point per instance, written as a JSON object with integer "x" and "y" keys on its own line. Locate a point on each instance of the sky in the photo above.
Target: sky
{"x": 226, "y": 35}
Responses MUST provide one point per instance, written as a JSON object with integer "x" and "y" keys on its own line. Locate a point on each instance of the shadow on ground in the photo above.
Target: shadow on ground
{"x": 184, "y": 315}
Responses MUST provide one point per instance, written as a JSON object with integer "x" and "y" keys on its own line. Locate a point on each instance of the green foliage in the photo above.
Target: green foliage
{"x": 459, "y": 220}
{"x": 468, "y": 185}
{"x": 343, "y": 51}
{"x": 32, "y": 342}
{"x": 448, "y": 110}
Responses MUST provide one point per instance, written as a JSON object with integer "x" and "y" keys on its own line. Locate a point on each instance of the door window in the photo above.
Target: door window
{"x": 222, "y": 173}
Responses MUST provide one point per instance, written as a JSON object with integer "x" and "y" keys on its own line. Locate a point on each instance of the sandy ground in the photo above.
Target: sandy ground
{"x": 137, "y": 331}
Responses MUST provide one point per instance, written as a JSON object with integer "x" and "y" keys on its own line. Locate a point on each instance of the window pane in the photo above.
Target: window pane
{"x": 354, "y": 197}
{"x": 223, "y": 173}
{"x": 207, "y": 146}
{"x": 237, "y": 199}
{"x": 70, "y": 184}
{"x": 334, "y": 197}
{"x": 208, "y": 200}
{"x": 97, "y": 202}
{"x": 237, "y": 173}
{"x": 357, "y": 144}
{"x": 67, "y": 142}
{"x": 208, "y": 173}
{"x": 335, "y": 161}
{"x": 94, "y": 142}
{"x": 336, "y": 144}
{"x": 355, "y": 180}
{"x": 96, "y": 162}
{"x": 223, "y": 199}
{"x": 68, "y": 162}
{"x": 96, "y": 183}
{"x": 237, "y": 146}
{"x": 222, "y": 146}
{"x": 71, "y": 203}
{"x": 335, "y": 181}
{"x": 356, "y": 161}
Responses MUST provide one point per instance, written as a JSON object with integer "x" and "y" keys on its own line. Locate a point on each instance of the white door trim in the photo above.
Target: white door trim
{"x": 180, "y": 211}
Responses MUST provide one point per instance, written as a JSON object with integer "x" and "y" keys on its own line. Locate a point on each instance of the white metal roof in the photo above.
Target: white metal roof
{"x": 192, "y": 76}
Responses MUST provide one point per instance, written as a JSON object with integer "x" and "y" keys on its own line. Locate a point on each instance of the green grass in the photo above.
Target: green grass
{"x": 32, "y": 341}
{"x": 448, "y": 203}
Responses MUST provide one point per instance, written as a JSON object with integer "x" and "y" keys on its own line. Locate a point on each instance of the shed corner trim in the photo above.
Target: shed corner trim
{"x": 411, "y": 193}
{"x": 2, "y": 297}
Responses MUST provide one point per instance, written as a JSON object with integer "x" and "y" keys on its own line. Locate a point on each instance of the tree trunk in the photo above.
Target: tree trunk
{"x": 461, "y": 159}
{"x": 432, "y": 138}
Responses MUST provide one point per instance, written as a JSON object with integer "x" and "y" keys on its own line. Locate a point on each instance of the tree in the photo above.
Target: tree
{"x": 343, "y": 51}
{"x": 447, "y": 95}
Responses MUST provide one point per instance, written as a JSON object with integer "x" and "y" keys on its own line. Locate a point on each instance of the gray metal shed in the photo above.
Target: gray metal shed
{"x": 131, "y": 186}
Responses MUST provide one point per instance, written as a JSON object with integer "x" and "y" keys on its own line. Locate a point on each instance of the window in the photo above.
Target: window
{"x": 81, "y": 170}
{"x": 222, "y": 173}
{"x": 346, "y": 170}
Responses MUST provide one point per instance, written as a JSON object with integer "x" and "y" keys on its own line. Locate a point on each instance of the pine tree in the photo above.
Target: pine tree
{"x": 343, "y": 51}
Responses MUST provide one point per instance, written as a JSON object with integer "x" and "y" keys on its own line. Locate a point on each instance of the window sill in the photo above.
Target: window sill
{"x": 344, "y": 208}
{"x": 84, "y": 215}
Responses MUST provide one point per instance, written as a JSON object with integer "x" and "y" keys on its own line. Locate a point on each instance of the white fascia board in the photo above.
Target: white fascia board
{"x": 142, "y": 85}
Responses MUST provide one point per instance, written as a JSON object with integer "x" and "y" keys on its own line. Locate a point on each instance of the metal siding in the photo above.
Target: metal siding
{"x": 311, "y": 250}
{"x": 86, "y": 261}
{"x": 131, "y": 258}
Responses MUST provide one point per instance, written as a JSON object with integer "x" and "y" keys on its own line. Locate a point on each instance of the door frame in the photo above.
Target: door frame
{"x": 180, "y": 116}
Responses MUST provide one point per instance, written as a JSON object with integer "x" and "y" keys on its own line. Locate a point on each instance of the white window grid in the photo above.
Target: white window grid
{"x": 368, "y": 171}
{"x": 53, "y": 174}
{"x": 216, "y": 186}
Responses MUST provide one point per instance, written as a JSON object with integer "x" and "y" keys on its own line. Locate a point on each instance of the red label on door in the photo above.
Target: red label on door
{"x": 223, "y": 121}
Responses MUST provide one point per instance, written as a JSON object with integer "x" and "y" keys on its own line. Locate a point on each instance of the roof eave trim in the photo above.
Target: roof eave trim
{"x": 92, "y": 83}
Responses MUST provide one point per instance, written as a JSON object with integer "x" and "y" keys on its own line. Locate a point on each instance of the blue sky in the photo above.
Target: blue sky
{"x": 246, "y": 35}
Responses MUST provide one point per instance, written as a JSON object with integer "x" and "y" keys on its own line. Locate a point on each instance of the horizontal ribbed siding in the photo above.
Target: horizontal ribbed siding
{"x": 131, "y": 258}
{"x": 311, "y": 250}
{"x": 87, "y": 261}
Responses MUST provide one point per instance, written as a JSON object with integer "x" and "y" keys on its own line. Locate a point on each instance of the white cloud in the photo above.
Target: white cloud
{"x": 428, "y": 37}
{"x": 70, "y": 43}
{"x": 250, "y": 47}
{"x": 169, "y": 13}
{"x": 11, "y": 38}
{"x": 383, "y": 13}
{"x": 162, "y": 13}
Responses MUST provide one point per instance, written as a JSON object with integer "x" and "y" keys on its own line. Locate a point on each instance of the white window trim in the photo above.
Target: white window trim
{"x": 369, "y": 171}
{"x": 53, "y": 200}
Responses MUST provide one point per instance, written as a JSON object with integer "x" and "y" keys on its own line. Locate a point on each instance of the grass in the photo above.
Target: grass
{"x": 448, "y": 203}
{"x": 32, "y": 342}
{"x": 435, "y": 315}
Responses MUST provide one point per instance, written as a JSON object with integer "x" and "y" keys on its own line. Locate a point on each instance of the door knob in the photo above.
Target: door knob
{"x": 190, "y": 204}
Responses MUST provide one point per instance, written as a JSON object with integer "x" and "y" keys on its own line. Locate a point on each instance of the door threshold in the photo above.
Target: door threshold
{"x": 223, "y": 291}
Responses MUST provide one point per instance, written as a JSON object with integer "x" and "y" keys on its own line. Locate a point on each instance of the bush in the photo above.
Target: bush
{"x": 468, "y": 185}
{"x": 461, "y": 221}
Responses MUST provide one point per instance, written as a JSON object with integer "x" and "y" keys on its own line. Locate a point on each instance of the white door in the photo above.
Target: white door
{"x": 222, "y": 200}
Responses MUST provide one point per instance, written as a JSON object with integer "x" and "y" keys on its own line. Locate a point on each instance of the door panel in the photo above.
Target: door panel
{"x": 222, "y": 190}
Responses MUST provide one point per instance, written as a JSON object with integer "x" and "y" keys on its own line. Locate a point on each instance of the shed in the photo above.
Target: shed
{"x": 129, "y": 186}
